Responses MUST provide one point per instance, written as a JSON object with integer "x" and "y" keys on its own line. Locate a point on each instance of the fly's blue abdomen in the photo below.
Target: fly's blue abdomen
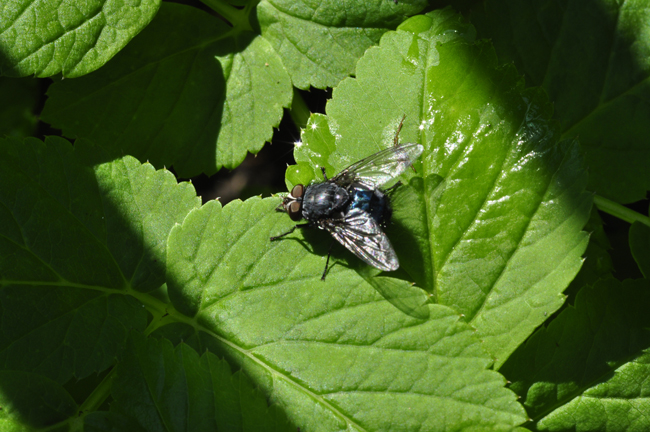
{"x": 361, "y": 199}
{"x": 373, "y": 202}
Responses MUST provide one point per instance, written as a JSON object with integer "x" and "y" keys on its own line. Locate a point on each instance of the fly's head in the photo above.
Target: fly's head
{"x": 292, "y": 203}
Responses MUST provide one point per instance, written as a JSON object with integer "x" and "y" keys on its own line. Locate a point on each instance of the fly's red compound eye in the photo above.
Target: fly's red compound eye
{"x": 297, "y": 191}
{"x": 294, "y": 210}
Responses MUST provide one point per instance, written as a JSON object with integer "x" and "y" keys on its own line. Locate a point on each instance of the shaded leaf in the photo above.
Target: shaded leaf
{"x": 17, "y": 113}
{"x": 163, "y": 388}
{"x": 61, "y": 332}
{"x": 80, "y": 241}
{"x": 592, "y": 59}
{"x": 598, "y": 263}
{"x": 103, "y": 421}
{"x": 587, "y": 370}
{"x": 187, "y": 92}
{"x": 30, "y": 401}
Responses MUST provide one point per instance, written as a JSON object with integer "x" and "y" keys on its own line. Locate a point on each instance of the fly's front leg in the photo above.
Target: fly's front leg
{"x": 324, "y": 174}
{"x": 306, "y": 225}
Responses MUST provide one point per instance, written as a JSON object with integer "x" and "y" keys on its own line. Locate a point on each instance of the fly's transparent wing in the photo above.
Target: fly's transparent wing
{"x": 362, "y": 236}
{"x": 381, "y": 167}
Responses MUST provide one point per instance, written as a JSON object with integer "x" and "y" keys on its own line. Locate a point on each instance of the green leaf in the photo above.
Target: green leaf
{"x": 82, "y": 256}
{"x": 598, "y": 263}
{"x": 501, "y": 239}
{"x": 587, "y": 370}
{"x": 334, "y": 354}
{"x": 61, "y": 332}
{"x": 161, "y": 388}
{"x": 193, "y": 92}
{"x": 640, "y": 246}
{"x": 320, "y": 43}
{"x": 592, "y": 59}
{"x": 188, "y": 92}
{"x": 93, "y": 245}
{"x": 50, "y": 37}
{"x": 79, "y": 242}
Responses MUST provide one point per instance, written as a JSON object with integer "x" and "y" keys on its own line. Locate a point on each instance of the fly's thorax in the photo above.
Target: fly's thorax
{"x": 321, "y": 200}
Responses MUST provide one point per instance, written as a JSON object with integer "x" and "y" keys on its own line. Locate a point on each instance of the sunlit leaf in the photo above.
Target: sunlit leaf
{"x": 50, "y": 37}
{"x": 501, "y": 239}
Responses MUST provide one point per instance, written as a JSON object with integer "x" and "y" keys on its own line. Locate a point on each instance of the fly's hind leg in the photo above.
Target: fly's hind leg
{"x": 327, "y": 263}
{"x": 290, "y": 231}
{"x": 392, "y": 188}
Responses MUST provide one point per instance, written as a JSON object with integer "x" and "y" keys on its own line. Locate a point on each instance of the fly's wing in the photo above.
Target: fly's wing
{"x": 362, "y": 236}
{"x": 381, "y": 167}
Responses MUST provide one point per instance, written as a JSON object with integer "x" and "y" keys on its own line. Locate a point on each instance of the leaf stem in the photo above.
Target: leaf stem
{"x": 620, "y": 211}
{"x": 161, "y": 311}
{"x": 238, "y": 18}
{"x": 99, "y": 395}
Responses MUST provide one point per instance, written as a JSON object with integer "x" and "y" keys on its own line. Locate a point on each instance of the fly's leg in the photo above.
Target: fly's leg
{"x": 324, "y": 174}
{"x": 327, "y": 263}
{"x": 290, "y": 231}
{"x": 393, "y": 187}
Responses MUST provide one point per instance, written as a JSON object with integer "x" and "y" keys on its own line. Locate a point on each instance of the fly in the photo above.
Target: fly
{"x": 352, "y": 207}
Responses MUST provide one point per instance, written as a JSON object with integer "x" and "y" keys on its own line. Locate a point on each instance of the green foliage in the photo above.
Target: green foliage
{"x": 173, "y": 388}
{"x": 125, "y": 304}
{"x": 207, "y": 93}
{"x": 528, "y": 200}
{"x": 296, "y": 29}
{"x": 592, "y": 377}
{"x": 69, "y": 38}
{"x": 333, "y": 354}
{"x": 189, "y": 95}
{"x": 592, "y": 59}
